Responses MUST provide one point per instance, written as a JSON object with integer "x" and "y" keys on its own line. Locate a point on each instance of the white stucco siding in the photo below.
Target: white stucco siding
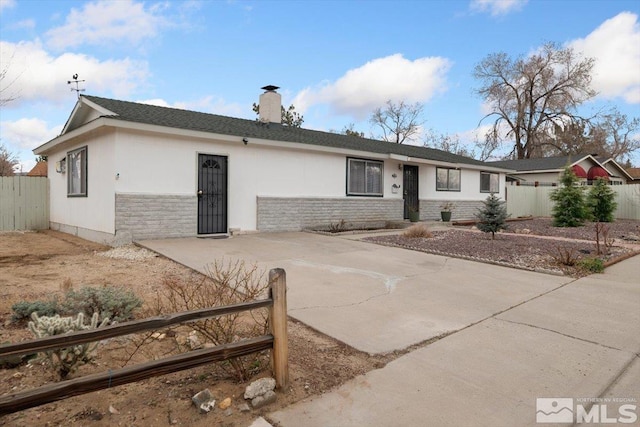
{"x": 157, "y": 164}
{"x": 469, "y": 185}
{"x": 96, "y": 210}
{"x": 152, "y": 164}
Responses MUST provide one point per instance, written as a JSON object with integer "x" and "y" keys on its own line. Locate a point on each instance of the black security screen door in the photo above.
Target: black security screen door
{"x": 410, "y": 184}
{"x": 212, "y": 194}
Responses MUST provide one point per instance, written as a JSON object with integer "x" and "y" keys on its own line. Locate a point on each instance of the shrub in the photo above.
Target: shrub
{"x": 225, "y": 283}
{"x": 337, "y": 227}
{"x": 417, "y": 231}
{"x": 593, "y": 265}
{"x": 565, "y": 255}
{"x": 601, "y": 201}
{"x": 493, "y": 216}
{"x": 111, "y": 302}
{"x": 569, "y": 209}
{"x": 66, "y": 360}
{"x": 22, "y": 310}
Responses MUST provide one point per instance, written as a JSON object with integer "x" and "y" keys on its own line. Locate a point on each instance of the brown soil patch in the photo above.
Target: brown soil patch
{"x": 36, "y": 265}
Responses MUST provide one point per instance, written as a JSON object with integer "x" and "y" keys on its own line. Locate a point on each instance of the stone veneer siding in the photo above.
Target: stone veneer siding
{"x": 297, "y": 213}
{"x": 155, "y": 216}
{"x": 463, "y": 209}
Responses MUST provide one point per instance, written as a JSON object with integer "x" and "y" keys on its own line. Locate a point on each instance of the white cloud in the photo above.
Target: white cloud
{"x": 616, "y": 46}
{"x": 27, "y": 133}
{"x": 365, "y": 88}
{"x": 497, "y": 7}
{"x": 36, "y": 75}
{"x": 104, "y": 22}
{"x": 6, "y": 4}
{"x": 27, "y": 24}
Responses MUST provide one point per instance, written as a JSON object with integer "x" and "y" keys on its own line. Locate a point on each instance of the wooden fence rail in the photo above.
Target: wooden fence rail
{"x": 276, "y": 341}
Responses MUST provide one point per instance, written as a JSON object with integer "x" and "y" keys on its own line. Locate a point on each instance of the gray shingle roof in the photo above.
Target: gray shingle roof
{"x": 545, "y": 163}
{"x": 204, "y": 122}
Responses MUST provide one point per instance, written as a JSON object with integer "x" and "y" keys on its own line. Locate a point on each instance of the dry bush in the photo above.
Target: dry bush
{"x": 565, "y": 255}
{"x": 602, "y": 235}
{"x": 417, "y": 231}
{"x": 225, "y": 283}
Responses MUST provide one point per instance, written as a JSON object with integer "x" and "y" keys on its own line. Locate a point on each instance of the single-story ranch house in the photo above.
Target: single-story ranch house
{"x": 123, "y": 171}
{"x": 546, "y": 171}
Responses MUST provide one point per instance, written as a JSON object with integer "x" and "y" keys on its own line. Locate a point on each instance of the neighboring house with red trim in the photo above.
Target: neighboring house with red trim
{"x": 123, "y": 171}
{"x": 547, "y": 171}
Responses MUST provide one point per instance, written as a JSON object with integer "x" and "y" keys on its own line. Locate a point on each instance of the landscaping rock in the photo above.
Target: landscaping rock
{"x": 265, "y": 399}
{"x": 194, "y": 341}
{"x": 225, "y": 403}
{"x": 204, "y": 401}
{"x": 244, "y": 408}
{"x": 259, "y": 387}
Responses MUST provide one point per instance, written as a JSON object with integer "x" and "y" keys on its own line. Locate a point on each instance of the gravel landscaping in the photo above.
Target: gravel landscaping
{"x": 522, "y": 245}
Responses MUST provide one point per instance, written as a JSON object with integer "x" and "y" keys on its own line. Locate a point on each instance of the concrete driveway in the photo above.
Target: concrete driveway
{"x": 580, "y": 342}
{"x": 374, "y": 298}
{"x": 513, "y": 336}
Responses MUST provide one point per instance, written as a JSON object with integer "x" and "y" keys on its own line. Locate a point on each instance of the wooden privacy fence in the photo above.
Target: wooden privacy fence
{"x": 276, "y": 341}
{"x": 524, "y": 201}
{"x": 24, "y": 203}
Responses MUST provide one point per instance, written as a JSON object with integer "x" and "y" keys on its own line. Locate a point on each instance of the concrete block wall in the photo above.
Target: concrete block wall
{"x": 463, "y": 209}
{"x": 152, "y": 216}
{"x": 297, "y": 213}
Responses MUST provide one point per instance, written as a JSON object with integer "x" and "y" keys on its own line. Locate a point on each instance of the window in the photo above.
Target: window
{"x": 77, "y": 172}
{"x": 489, "y": 182}
{"x": 447, "y": 179}
{"x": 364, "y": 177}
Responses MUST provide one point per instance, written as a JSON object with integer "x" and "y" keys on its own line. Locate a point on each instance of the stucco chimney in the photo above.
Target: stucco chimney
{"x": 270, "y": 105}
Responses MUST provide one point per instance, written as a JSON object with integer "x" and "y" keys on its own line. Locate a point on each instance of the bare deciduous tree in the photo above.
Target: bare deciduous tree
{"x": 529, "y": 95}
{"x": 448, "y": 143}
{"x": 398, "y": 122}
{"x": 611, "y": 134}
{"x": 7, "y": 161}
{"x": 351, "y": 131}
{"x": 5, "y": 95}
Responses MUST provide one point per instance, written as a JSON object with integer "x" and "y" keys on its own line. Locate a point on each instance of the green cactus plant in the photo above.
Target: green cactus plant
{"x": 66, "y": 360}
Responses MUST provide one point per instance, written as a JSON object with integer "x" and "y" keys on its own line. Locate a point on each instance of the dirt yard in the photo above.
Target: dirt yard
{"x": 37, "y": 265}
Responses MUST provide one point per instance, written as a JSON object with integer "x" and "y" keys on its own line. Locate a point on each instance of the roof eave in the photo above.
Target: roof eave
{"x": 62, "y": 138}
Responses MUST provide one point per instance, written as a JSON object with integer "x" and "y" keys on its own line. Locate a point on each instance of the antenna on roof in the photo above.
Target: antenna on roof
{"x": 77, "y": 82}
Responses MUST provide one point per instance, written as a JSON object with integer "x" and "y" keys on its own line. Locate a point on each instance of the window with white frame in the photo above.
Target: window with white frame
{"x": 489, "y": 182}
{"x": 364, "y": 177}
{"x": 77, "y": 172}
{"x": 447, "y": 179}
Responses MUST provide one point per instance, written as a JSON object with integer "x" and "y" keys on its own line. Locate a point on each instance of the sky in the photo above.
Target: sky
{"x": 336, "y": 61}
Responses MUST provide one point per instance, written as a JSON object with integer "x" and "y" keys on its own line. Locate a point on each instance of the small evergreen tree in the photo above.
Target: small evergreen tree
{"x": 569, "y": 209}
{"x": 601, "y": 201}
{"x": 493, "y": 216}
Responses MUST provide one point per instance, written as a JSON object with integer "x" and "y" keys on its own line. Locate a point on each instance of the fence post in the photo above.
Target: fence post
{"x": 278, "y": 326}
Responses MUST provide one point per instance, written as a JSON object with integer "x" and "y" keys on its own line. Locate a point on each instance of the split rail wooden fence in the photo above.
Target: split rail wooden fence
{"x": 276, "y": 341}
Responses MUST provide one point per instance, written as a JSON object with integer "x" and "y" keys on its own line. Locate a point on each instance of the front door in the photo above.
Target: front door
{"x": 212, "y": 194}
{"x": 410, "y": 184}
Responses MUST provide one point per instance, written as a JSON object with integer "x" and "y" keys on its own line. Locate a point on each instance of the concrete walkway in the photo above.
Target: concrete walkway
{"x": 375, "y": 298}
{"x": 514, "y": 336}
{"x": 579, "y": 341}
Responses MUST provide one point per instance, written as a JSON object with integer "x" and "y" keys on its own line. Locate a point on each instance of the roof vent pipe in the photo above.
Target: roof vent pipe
{"x": 270, "y": 105}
